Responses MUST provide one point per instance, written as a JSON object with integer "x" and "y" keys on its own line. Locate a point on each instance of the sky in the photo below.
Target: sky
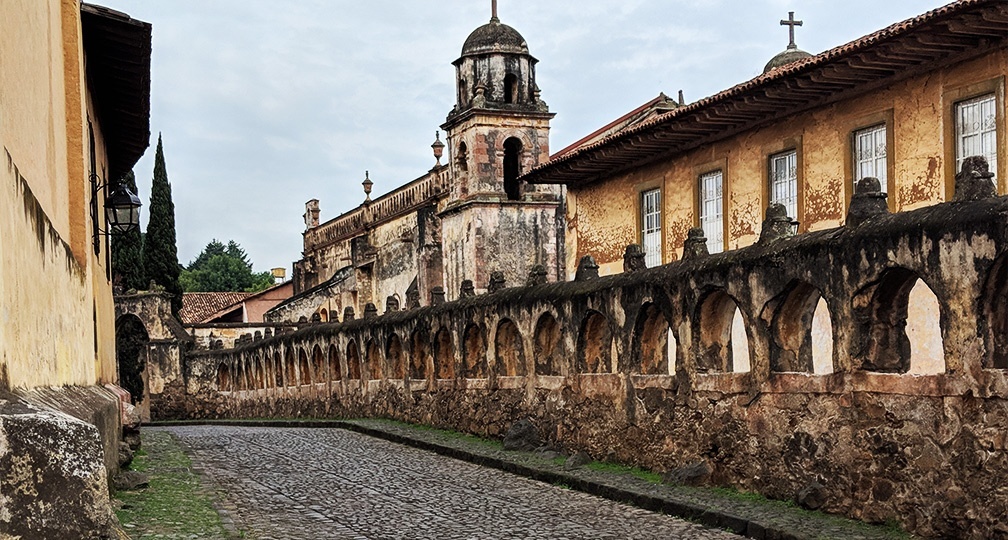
{"x": 265, "y": 104}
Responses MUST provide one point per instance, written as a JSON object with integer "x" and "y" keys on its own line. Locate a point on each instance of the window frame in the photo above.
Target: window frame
{"x": 797, "y": 179}
{"x": 883, "y": 117}
{"x": 700, "y": 205}
{"x": 952, "y": 97}
{"x": 642, "y": 193}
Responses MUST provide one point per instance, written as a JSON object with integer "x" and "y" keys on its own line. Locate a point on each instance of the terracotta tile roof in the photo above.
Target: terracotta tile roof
{"x": 198, "y": 306}
{"x": 946, "y": 34}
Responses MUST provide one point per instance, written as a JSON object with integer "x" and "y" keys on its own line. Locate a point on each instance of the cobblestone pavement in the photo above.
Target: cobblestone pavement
{"x": 293, "y": 483}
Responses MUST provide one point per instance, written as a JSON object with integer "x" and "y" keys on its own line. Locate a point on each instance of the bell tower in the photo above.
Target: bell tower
{"x": 497, "y": 131}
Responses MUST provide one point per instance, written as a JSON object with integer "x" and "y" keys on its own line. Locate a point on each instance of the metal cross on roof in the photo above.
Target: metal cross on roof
{"x": 493, "y": 10}
{"x": 791, "y": 22}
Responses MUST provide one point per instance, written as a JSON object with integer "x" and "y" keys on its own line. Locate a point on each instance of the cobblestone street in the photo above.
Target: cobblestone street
{"x": 331, "y": 483}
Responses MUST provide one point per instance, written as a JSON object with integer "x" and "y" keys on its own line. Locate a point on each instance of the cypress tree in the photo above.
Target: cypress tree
{"x": 127, "y": 251}
{"x": 160, "y": 254}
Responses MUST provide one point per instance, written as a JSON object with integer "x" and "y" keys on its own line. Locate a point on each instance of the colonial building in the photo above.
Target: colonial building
{"x": 469, "y": 220}
{"x": 905, "y": 104}
{"x": 74, "y": 116}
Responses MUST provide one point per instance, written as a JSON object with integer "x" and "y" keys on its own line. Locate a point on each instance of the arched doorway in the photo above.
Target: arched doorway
{"x": 131, "y": 355}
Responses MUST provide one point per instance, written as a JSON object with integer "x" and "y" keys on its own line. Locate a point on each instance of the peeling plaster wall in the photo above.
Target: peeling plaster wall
{"x": 604, "y": 216}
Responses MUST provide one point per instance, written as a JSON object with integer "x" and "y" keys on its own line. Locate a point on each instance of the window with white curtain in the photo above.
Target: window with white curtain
{"x": 651, "y": 222}
{"x": 870, "y": 154}
{"x": 784, "y": 181}
{"x": 711, "y": 209}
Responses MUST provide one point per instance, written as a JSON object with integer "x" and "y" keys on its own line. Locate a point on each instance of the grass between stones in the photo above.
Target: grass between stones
{"x": 175, "y": 504}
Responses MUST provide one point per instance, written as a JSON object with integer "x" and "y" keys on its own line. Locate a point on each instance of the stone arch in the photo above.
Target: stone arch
{"x": 993, "y": 319}
{"x": 444, "y": 355}
{"x": 304, "y": 370}
{"x": 650, "y": 341}
{"x": 375, "y": 362}
{"x": 512, "y": 168}
{"x": 474, "y": 364}
{"x": 132, "y": 342}
{"x": 239, "y": 376}
{"x": 509, "y": 350}
{"x": 353, "y": 361}
{"x": 290, "y": 371}
{"x": 323, "y": 315}
{"x": 462, "y": 157}
{"x": 801, "y": 332}
{"x": 267, "y": 362}
{"x": 278, "y": 370}
{"x": 548, "y": 354}
{"x": 396, "y": 355}
{"x": 318, "y": 364}
{"x": 899, "y": 325}
{"x": 260, "y": 371}
{"x": 335, "y": 371}
{"x": 223, "y": 377}
{"x": 594, "y": 348}
{"x": 419, "y": 354}
{"x": 722, "y": 334}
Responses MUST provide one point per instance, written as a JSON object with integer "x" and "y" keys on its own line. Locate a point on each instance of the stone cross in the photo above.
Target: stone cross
{"x": 792, "y": 23}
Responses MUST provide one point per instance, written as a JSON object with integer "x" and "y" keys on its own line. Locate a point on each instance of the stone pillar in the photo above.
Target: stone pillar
{"x": 974, "y": 181}
{"x": 867, "y": 201}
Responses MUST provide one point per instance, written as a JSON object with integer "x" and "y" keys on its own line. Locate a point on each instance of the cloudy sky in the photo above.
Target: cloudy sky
{"x": 265, "y": 104}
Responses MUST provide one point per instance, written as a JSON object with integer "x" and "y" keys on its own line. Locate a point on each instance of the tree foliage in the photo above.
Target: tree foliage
{"x": 127, "y": 252}
{"x": 221, "y": 267}
{"x": 160, "y": 254}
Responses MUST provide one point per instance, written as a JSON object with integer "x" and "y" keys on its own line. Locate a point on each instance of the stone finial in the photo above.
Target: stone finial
{"x": 257, "y": 336}
{"x": 391, "y": 304}
{"x": 316, "y": 318}
{"x": 268, "y": 333}
{"x": 348, "y": 313}
{"x": 370, "y": 311}
{"x": 437, "y": 296}
{"x": 633, "y": 259}
{"x": 695, "y": 245}
{"x": 777, "y": 224}
{"x": 587, "y": 269}
{"x": 302, "y": 319}
{"x": 413, "y": 296}
{"x": 537, "y": 276}
{"x": 479, "y": 101}
{"x": 974, "y": 180}
{"x": 497, "y": 282}
{"x": 467, "y": 289}
{"x": 867, "y": 201}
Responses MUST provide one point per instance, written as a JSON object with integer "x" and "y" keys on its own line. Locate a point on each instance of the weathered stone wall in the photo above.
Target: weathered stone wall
{"x": 717, "y": 359}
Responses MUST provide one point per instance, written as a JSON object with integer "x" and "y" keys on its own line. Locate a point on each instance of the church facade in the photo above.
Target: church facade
{"x": 458, "y": 227}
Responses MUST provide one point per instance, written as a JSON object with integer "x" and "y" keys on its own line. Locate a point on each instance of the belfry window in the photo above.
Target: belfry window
{"x": 784, "y": 181}
{"x": 976, "y": 130}
{"x": 512, "y": 168}
{"x": 651, "y": 226}
{"x": 510, "y": 88}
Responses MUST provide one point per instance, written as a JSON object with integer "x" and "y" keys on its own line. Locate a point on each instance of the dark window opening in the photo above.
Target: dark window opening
{"x": 463, "y": 157}
{"x": 510, "y": 88}
{"x": 462, "y": 92}
{"x": 512, "y": 168}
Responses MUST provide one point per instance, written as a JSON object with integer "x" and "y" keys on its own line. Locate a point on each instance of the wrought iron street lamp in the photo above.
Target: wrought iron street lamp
{"x": 122, "y": 209}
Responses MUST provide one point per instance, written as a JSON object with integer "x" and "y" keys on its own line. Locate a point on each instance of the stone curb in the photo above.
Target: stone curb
{"x": 698, "y": 513}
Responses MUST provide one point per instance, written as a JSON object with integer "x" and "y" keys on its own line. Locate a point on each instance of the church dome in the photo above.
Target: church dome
{"x": 791, "y": 54}
{"x": 494, "y": 37}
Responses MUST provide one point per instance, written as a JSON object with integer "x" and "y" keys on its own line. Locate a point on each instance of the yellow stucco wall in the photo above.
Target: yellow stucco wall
{"x": 604, "y": 217}
{"x": 56, "y": 312}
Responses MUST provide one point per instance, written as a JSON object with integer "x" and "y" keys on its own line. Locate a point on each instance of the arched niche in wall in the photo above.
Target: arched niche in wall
{"x": 509, "y": 350}
{"x": 223, "y": 377}
{"x": 419, "y": 354}
{"x": 290, "y": 367}
{"x": 396, "y": 356}
{"x": 375, "y": 361}
{"x": 650, "y": 342}
{"x": 319, "y": 370}
{"x": 548, "y": 354}
{"x": 444, "y": 355}
{"x": 594, "y": 345}
{"x": 335, "y": 369}
{"x": 801, "y": 330}
{"x": 304, "y": 370}
{"x": 723, "y": 339}
{"x": 278, "y": 369}
{"x": 353, "y": 361}
{"x": 474, "y": 363}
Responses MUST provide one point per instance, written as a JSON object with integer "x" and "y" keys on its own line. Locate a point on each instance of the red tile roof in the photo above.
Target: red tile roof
{"x": 198, "y": 306}
{"x": 961, "y": 29}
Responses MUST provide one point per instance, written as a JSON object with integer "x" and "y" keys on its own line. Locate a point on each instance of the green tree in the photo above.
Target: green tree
{"x": 222, "y": 267}
{"x": 127, "y": 251}
{"x": 160, "y": 254}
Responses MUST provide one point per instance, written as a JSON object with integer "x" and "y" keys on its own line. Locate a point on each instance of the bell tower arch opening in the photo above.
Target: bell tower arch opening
{"x": 512, "y": 168}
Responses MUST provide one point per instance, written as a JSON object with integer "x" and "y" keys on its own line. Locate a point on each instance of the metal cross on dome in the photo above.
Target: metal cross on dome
{"x": 791, "y": 22}
{"x": 493, "y": 10}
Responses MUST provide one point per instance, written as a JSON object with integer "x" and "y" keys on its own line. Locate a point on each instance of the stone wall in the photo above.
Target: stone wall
{"x": 797, "y": 360}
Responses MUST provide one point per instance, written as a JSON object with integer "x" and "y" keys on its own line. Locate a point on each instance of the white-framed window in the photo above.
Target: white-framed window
{"x": 711, "y": 209}
{"x": 870, "y": 154}
{"x": 651, "y": 223}
{"x": 784, "y": 181}
{"x": 976, "y": 130}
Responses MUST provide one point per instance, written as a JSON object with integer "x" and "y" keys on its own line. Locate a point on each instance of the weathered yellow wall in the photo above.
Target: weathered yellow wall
{"x": 55, "y": 303}
{"x": 604, "y": 217}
